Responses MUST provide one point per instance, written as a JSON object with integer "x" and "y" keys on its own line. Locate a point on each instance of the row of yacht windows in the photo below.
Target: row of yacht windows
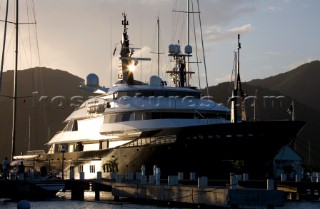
{"x": 132, "y": 116}
{"x": 92, "y": 169}
{"x": 149, "y": 93}
{"x": 78, "y": 147}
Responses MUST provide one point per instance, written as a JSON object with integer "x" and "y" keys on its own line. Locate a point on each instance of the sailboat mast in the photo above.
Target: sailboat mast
{"x": 158, "y": 24}
{"x": 188, "y": 40}
{"x": 14, "y": 107}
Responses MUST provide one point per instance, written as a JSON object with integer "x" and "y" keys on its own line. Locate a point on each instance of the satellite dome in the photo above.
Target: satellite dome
{"x": 188, "y": 49}
{"x": 92, "y": 80}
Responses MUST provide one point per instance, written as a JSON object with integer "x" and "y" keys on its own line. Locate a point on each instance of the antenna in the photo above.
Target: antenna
{"x": 237, "y": 92}
{"x": 238, "y": 87}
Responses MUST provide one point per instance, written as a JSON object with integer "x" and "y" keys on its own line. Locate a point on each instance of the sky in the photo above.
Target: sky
{"x": 79, "y": 36}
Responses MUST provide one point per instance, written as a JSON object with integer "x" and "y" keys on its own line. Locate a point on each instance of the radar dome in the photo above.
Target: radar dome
{"x": 188, "y": 49}
{"x": 156, "y": 81}
{"x": 92, "y": 80}
{"x": 174, "y": 49}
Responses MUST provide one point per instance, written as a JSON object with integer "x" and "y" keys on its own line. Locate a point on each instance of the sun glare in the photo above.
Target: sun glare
{"x": 132, "y": 67}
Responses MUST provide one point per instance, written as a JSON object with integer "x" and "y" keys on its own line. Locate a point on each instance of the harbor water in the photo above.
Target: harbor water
{"x": 106, "y": 202}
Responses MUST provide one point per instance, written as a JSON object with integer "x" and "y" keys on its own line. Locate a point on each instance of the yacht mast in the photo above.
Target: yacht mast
{"x": 188, "y": 40}
{"x": 14, "y": 106}
{"x": 237, "y": 92}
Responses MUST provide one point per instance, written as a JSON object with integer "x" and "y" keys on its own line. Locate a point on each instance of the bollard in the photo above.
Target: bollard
{"x": 151, "y": 179}
{"x": 21, "y": 176}
{"x": 239, "y": 177}
{"x": 31, "y": 175}
{"x": 81, "y": 175}
{"x": 99, "y": 175}
{"x": 283, "y": 177}
{"x": 71, "y": 175}
{"x": 119, "y": 179}
{"x": 233, "y": 181}
{"x": 143, "y": 179}
{"x": 202, "y": 182}
{"x": 23, "y": 204}
{"x": 113, "y": 175}
{"x": 245, "y": 177}
{"x": 138, "y": 175}
{"x": 270, "y": 184}
{"x": 192, "y": 176}
{"x": 298, "y": 177}
{"x": 158, "y": 174}
{"x": 154, "y": 169}
{"x": 129, "y": 175}
{"x": 180, "y": 176}
{"x": 172, "y": 180}
{"x": 143, "y": 170}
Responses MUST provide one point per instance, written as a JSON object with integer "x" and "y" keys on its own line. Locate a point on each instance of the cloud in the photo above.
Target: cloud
{"x": 273, "y": 8}
{"x": 223, "y": 78}
{"x": 273, "y": 53}
{"x": 215, "y": 34}
{"x": 299, "y": 63}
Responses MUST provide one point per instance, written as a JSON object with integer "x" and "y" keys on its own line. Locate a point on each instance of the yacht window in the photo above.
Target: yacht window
{"x": 78, "y": 147}
{"x": 68, "y": 127}
{"x": 121, "y": 94}
{"x": 104, "y": 145}
{"x": 113, "y": 118}
{"x": 156, "y": 115}
{"x": 75, "y": 126}
{"x": 63, "y": 148}
{"x": 147, "y": 116}
{"x": 92, "y": 169}
{"x": 138, "y": 116}
{"x": 115, "y": 95}
{"x": 80, "y": 168}
{"x": 126, "y": 117}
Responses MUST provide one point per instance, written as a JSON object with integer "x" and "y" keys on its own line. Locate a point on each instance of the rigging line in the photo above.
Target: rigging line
{"x": 196, "y": 43}
{"x": 28, "y": 18}
{"x": 303, "y": 144}
{"x": 232, "y": 74}
{"x": 306, "y": 150}
{"x": 40, "y": 69}
{"x": 4, "y": 43}
{"x": 204, "y": 57}
{"x": 36, "y": 31}
{"x": 173, "y": 20}
{"x": 24, "y": 50}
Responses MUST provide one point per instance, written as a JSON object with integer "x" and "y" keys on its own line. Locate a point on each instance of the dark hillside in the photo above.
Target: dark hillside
{"x": 46, "y": 98}
{"x": 301, "y": 83}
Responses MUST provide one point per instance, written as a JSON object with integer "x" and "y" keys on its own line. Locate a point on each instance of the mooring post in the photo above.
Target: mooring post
{"x": 96, "y": 191}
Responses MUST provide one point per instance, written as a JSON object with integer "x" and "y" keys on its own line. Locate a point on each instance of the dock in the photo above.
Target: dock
{"x": 171, "y": 191}
{"x": 236, "y": 192}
